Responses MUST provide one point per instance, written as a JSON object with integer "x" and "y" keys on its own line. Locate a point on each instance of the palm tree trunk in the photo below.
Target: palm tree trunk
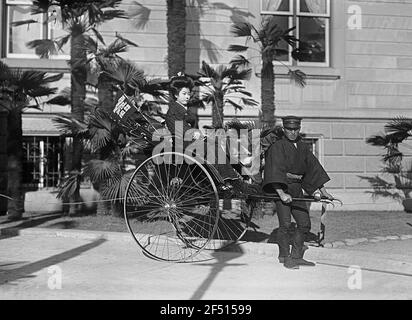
{"x": 3, "y": 162}
{"x": 176, "y": 36}
{"x": 217, "y": 112}
{"x": 78, "y": 84}
{"x": 15, "y": 164}
{"x": 268, "y": 92}
{"x": 105, "y": 93}
{"x": 106, "y": 103}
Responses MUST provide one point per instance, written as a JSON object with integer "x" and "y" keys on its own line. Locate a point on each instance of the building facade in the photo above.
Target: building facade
{"x": 359, "y": 77}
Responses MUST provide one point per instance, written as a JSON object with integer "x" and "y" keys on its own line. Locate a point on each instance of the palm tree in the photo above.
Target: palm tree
{"x": 269, "y": 37}
{"x": 223, "y": 87}
{"x": 100, "y": 58}
{"x": 79, "y": 18}
{"x": 397, "y": 131}
{"x": 115, "y": 151}
{"x": 110, "y": 172}
{"x": 19, "y": 89}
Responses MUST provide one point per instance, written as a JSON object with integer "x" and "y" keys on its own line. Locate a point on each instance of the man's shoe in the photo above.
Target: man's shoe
{"x": 290, "y": 263}
{"x": 303, "y": 262}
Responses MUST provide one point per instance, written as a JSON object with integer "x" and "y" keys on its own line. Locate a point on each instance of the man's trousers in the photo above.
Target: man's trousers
{"x": 301, "y": 215}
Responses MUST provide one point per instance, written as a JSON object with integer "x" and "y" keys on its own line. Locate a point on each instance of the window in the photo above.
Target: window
{"x": 42, "y": 162}
{"x": 48, "y": 27}
{"x": 315, "y": 143}
{"x": 312, "y": 21}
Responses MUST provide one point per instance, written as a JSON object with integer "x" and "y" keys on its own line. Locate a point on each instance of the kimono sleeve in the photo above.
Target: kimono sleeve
{"x": 315, "y": 176}
{"x": 275, "y": 169}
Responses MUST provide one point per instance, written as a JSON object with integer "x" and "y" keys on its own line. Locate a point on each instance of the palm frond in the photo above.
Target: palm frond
{"x": 400, "y": 126}
{"x": 126, "y": 41}
{"x": 52, "y": 78}
{"x": 115, "y": 189}
{"x": 240, "y": 60}
{"x": 298, "y": 77}
{"x": 244, "y": 74}
{"x": 62, "y": 99}
{"x": 113, "y": 14}
{"x": 23, "y": 22}
{"x": 44, "y": 47}
{"x": 70, "y": 126}
{"x": 101, "y": 170}
{"x": 41, "y": 91}
{"x": 100, "y": 129}
{"x": 5, "y": 72}
{"x": 380, "y": 140}
{"x": 236, "y": 105}
{"x": 249, "y": 102}
{"x": 207, "y": 71}
{"x": 237, "y": 48}
{"x": 140, "y": 15}
{"x": 156, "y": 87}
{"x": 117, "y": 46}
{"x": 242, "y": 29}
{"x": 126, "y": 74}
{"x": 98, "y": 35}
{"x": 69, "y": 186}
{"x": 59, "y": 100}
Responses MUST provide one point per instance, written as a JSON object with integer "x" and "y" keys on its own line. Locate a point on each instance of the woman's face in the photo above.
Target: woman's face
{"x": 183, "y": 96}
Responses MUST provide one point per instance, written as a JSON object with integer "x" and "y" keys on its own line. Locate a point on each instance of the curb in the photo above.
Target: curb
{"x": 260, "y": 248}
{"x": 68, "y": 233}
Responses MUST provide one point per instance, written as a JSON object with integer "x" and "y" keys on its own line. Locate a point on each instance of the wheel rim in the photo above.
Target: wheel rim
{"x": 170, "y": 207}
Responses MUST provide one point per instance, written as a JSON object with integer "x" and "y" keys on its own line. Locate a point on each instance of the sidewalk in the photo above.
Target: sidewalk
{"x": 107, "y": 265}
{"x": 364, "y": 231}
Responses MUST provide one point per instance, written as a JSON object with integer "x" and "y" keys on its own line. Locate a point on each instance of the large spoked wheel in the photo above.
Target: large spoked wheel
{"x": 171, "y": 207}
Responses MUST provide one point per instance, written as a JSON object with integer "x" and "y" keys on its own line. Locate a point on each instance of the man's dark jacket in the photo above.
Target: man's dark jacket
{"x": 283, "y": 159}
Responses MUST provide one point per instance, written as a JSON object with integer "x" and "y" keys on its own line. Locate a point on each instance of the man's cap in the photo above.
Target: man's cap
{"x": 291, "y": 122}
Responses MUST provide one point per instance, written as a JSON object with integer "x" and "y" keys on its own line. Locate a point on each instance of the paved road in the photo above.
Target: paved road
{"x": 30, "y": 266}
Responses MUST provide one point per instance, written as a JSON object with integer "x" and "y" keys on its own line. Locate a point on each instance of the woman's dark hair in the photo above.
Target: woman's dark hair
{"x": 178, "y": 83}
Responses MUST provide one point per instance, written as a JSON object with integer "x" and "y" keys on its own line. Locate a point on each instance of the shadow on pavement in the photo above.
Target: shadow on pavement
{"x": 9, "y": 228}
{"x": 31, "y": 220}
{"x": 222, "y": 260}
{"x": 27, "y": 270}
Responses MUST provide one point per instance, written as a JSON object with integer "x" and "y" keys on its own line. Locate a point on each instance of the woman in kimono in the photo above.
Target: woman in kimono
{"x": 179, "y": 120}
{"x": 290, "y": 166}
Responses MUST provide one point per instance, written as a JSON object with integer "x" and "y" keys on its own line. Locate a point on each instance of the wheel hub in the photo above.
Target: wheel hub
{"x": 170, "y": 205}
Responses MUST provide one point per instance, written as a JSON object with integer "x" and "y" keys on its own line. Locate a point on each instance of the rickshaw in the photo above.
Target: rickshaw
{"x": 173, "y": 203}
